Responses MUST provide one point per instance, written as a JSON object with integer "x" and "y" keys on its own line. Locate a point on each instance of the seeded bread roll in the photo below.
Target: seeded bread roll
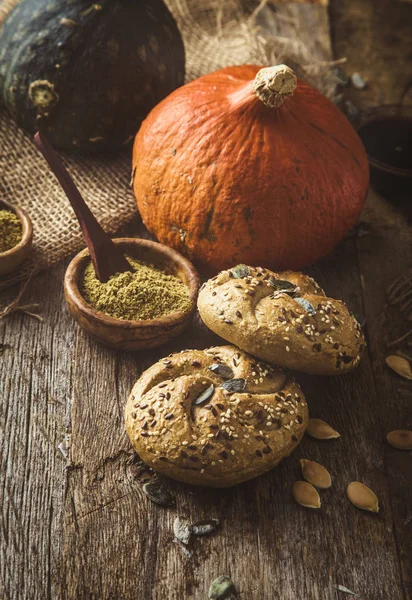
{"x": 215, "y": 417}
{"x": 283, "y": 318}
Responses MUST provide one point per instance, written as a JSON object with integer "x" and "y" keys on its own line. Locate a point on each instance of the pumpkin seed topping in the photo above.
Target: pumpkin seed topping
{"x": 205, "y": 527}
{"x": 321, "y": 430}
{"x": 205, "y": 395}
{"x": 281, "y": 285}
{"x": 362, "y": 496}
{"x": 240, "y": 271}
{"x": 306, "y": 305}
{"x": 182, "y": 530}
{"x": 315, "y": 473}
{"x": 235, "y": 385}
{"x": 306, "y": 495}
{"x": 400, "y": 365}
{"x": 220, "y": 588}
{"x": 222, "y": 370}
{"x": 158, "y": 493}
{"x": 400, "y": 439}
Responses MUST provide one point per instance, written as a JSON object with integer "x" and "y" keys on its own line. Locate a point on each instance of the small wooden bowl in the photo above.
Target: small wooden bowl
{"x": 11, "y": 259}
{"x": 132, "y": 335}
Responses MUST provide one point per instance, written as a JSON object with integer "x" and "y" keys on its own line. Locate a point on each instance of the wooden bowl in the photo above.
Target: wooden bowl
{"x": 132, "y": 335}
{"x": 11, "y": 259}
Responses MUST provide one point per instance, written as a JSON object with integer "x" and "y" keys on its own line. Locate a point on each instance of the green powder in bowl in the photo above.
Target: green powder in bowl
{"x": 10, "y": 230}
{"x": 142, "y": 294}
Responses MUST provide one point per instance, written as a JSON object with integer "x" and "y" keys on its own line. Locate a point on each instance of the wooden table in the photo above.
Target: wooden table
{"x": 83, "y": 529}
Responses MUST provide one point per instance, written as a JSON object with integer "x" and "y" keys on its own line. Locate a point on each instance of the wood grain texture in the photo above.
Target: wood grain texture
{"x": 35, "y": 368}
{"x": 383, "y": 257}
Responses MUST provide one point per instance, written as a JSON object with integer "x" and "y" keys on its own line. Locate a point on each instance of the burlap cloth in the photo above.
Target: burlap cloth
{"x": 216, "y": 33}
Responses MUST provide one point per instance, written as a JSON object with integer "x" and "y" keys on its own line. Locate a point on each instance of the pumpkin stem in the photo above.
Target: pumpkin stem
{"x": 273, "y": 84}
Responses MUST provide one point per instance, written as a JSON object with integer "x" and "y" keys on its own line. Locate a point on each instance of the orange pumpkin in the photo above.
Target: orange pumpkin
{"x": 250, "y": 165}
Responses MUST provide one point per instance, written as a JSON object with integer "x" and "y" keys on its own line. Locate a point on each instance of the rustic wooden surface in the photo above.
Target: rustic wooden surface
{"x": 85, "y": 529}
{"x": 376, "y": 38}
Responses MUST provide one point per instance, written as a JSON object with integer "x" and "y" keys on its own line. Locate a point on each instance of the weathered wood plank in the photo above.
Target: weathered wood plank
{"x": 124, "y": 503}
{"x": 371, "y": 34}
{"x": 35, "y": 385}
{"x": 384, "y": 255}
{"x": 118, "y": 535}
{"x": 376, "y": 38}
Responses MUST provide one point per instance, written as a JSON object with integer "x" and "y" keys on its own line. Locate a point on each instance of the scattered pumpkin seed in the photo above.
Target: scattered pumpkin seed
{"x": 234, "y": 385}
{"x": 400, "y": 365}
{"x": 241, "y": 271}
{"x": 345, "y": 590}
{"x": 220, "y": 588}
{"x": 321, "y": 430}
{"x": 306, "y": 305}
{"x": 350, "y": 110}
{"x": 315, "y": 473}
{"x": 205, "y": 527}
{"x": 362, "y": 496}
{"x": 305, "y": 494}
{"x": 341, "y": 77}
{"x": 400, "y": 439}
{"x": 158, "y": 493}
{"x": 182, "y": 530}
{"x": 223, "y": 371}
{"x": 358, "y": 81}
{"x": 205, "y": 395}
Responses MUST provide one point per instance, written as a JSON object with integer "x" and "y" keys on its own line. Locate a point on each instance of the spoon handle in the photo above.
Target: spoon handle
{"x": 107, "y": 257}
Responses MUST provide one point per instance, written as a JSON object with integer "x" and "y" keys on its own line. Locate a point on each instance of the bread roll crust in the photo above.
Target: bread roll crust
{"x": 298, "y": 327}
{"x": 231, "y": 436}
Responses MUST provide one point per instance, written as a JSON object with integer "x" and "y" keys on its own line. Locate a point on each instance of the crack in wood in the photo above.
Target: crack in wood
{"x": 77, "y": 518}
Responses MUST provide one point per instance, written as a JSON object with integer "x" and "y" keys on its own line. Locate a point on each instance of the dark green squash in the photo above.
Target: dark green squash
{"x": 87, "y": 74}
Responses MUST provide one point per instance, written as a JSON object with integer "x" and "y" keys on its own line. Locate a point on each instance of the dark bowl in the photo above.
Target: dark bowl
{"x": 386, "y": 132}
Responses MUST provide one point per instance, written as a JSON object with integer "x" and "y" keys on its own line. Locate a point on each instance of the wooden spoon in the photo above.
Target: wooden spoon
{"x": 107, "y": 257}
